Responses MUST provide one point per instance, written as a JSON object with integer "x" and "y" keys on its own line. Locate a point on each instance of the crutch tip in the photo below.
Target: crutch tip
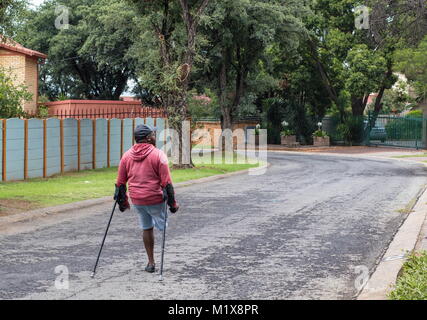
{"x": 92, "y": 275}
{"x": 161, "y": 278}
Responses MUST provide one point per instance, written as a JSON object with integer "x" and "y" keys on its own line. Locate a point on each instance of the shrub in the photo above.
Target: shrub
{"x": 414, "y": 114}
{"x": 351, "y": 130}
{"x": 287, "y": 132}
{"x": 11, "y": 97}
{"x": 320, "y": 133}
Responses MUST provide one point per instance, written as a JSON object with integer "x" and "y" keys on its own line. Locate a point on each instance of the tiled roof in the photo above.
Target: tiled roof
{"x": 16, "y": 47}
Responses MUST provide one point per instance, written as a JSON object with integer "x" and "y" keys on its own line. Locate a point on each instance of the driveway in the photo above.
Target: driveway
{"x": 296, "y": 232}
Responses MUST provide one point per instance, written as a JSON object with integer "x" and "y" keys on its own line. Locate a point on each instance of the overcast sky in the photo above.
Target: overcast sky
{"x": 36, "y": 2}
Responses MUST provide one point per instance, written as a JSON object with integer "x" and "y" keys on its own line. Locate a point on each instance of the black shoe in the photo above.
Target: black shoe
{"x": 150, "y": 268}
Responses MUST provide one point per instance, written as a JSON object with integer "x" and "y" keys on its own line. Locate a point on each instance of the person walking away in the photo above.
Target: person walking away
{"x": 145, "y": 169}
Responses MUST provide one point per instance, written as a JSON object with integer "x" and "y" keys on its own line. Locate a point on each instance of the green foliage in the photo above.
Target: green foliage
{"x": 396, "y": 100}
{"x": 364, "y": 70}
{"x": 90, "y": 59}
{"x": 413, "y": 63}
{"x": 414, "y": 114}
{"x": 244, "y": 41}
{"x": 42, "y": 109}
{"x": 412, "y": 283}
{"x": 12, "y": 97}
{"x": 12, "y": 13}
{"x": 352, "y": 129}
{"x": 320, "y": 133}
{"x": 203, "y": 105}
{"x": 360, "y": 61}
{"x": 287, "y": 132}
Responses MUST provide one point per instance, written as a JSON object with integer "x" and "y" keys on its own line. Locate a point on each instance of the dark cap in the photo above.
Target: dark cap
{"x": 143, "y": 131}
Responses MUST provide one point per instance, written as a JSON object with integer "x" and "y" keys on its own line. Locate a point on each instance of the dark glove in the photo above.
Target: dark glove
{"x": 121, "y": 197}
{"x": 169, "y": 196}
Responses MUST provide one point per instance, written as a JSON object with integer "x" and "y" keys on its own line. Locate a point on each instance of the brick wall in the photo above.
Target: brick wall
{"x": 31, "y": 81}
{"x": 15, "y": 64}
{"x": 23, "y": 70}
{"x": 210, "y": 131}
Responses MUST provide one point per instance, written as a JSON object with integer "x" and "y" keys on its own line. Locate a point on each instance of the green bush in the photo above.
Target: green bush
{"x": 11, "y": 97}
{"x": 320, "y": 133}
{"x": 287, "y": 132}
{"x": 414, "y": 114}
{"x": 352, "y": 130}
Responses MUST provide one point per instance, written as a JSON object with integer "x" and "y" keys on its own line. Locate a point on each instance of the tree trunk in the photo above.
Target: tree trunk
{"x": 357, "y": 106}
{"x": 226, "y": 110}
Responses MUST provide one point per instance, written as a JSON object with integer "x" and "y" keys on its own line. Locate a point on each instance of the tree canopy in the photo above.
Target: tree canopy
{"x": 277, "y": 59}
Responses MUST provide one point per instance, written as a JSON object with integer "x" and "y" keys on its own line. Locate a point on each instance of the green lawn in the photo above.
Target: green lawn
{"x": 77, "y": 186}
{"x": 412, "y": 284}
{"x": 424, "y": 155}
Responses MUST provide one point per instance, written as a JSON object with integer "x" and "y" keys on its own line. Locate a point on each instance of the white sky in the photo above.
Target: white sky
{"x": 35, "y": 2}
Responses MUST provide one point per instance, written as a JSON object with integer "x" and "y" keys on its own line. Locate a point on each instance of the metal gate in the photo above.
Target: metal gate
{"x": 397, "y": 131}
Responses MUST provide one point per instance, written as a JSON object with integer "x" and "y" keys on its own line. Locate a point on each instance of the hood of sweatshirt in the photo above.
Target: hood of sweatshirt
{"x": 141, "y": 151}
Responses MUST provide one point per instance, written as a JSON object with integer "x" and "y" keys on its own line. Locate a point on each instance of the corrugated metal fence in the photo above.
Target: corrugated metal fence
{"x": 32, "y": 148}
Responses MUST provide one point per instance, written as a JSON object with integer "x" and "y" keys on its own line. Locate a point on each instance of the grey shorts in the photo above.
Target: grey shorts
{"x": 152, "y": 216}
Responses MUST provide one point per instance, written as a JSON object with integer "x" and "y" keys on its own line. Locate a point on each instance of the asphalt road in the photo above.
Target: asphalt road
{"x": 296, "y": 232}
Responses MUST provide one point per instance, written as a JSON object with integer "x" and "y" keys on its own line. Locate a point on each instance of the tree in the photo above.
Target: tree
{"x": 12, "y": 97}
{"x": 90, "y": 58}
{"x": 356, "y": 62}
{"x": 11, "y": 13}
{"x": 238, "y": 36}
{"x": 167, "y": 50}
{"x": 413, "y": 63}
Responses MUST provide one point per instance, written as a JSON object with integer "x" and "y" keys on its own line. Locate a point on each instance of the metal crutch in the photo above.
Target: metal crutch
{"x": 103, "y": 240}
{"x": 163, "y": 244}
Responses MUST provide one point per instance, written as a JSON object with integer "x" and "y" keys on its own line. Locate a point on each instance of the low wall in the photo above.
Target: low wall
{"x": 40, "y": 148}
{"x": 209, "y": 132}
{"x": 93, "y": 109}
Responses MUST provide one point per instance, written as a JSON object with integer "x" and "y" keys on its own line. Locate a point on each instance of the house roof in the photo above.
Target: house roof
{"x": 16, "y": 47}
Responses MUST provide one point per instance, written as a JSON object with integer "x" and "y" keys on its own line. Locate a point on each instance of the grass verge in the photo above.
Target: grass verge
{"x": 424, "y": 155}
{"x": 412, "y": 283}
{"x": 77, "y": 186}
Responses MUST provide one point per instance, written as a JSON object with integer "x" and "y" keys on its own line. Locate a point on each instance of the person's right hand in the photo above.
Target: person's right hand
{"x": 174, "y": 209}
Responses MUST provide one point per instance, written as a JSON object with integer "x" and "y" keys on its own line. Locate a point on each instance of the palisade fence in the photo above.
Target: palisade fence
{"x": 32, "y": 148}
{"x": 388, "y": 130}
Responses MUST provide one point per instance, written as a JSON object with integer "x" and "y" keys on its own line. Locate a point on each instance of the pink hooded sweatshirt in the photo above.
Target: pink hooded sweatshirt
{"x": 145, "y": 168}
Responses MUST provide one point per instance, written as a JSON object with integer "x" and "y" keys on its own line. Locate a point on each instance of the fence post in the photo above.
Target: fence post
{"x": 121, "y": 137}
{"x": 25, "y": 149}
{"x": 44, "y": 148}
{"x": 108, "y": 143}
{"x": 94, "y": 144}
{"x": 78, "y": 143}
{"x": 61, "y": 131}
{"x": 4, "y": 151}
